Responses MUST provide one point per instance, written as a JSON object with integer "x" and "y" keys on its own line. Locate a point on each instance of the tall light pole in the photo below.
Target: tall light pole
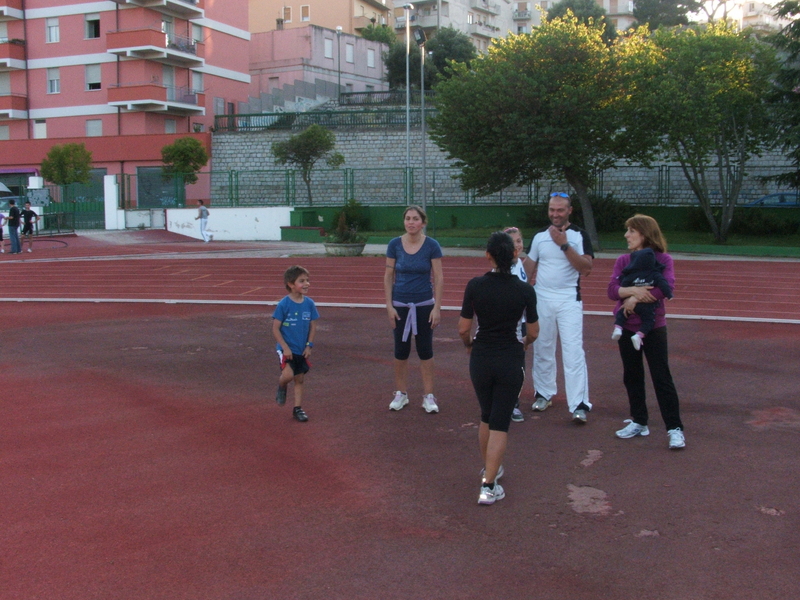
{"x": 421, "y": 38}
{"x": 339, "y": 61}
{"x": 407, "y": 8}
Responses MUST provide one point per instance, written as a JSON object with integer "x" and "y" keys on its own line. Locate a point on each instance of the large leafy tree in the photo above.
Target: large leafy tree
{"x": 539, "y": 104}
{"x": 379, "y": 33}
{"x": 664, "y": 13}
{"x": 701, "y": 92}
{"x": 185, "y": 157}
{"x": 786, "y": 97}
{"x": 305, "y": 149}
{"x": 587, "y": 11}
{"x": 67, "y": 163}
{"x": 446, "y": 46}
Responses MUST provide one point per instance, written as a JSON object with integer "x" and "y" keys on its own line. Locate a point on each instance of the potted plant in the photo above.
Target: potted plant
{"x": 345, "y": 240}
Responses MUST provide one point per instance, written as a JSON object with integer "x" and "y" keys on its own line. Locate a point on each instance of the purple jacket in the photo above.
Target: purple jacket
{"x": 613, "y": 289}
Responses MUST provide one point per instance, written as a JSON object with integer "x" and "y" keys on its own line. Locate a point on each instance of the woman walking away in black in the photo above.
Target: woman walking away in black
{"x": 497, "y": 358}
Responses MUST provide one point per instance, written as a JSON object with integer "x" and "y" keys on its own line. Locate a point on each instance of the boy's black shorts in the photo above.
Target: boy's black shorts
{"x": 298, "y": 363}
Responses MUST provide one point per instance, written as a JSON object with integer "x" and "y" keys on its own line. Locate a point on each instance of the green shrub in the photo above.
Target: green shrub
{"x": 746, "y": 221}
{"x": 354, "y": 215}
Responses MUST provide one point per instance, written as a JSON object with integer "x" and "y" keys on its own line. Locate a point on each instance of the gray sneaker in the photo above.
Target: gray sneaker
{"x": 490, "y": 496}
{"x": 632, "y": 430}
{"x": 579, "y": 416}
{"x": 517, "y": 415}
{"x": 676, "y": 439}
{"x": 541, "y": 403}
{"x": 399, "y": 401}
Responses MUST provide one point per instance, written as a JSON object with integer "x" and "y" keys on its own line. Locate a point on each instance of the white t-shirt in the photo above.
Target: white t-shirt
{"x": 555, "y": 276}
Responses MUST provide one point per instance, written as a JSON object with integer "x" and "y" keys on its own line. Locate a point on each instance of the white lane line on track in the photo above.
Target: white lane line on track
{"x": 355, "y": 305}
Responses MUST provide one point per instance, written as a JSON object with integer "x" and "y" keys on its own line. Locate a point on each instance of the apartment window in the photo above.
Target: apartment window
{"x": 197, "y": 82}
{"x": 5, "y": 84}
{"x": 287, "y": 14}
{"x": 370, "y": 57}
{"x": 231, "y": 108}
{"x": 92, "y": 77}
{"x": 53, "y": 81}
{"x": 305, "y": 13}
{"x": 219, "y": 106}
{"x": 470, "y": 18}
{"x": 94, "y": 127}
{"x": 328, "y": 48}
{"x": 91, "y": 26}
{"x": 544, "y": 5}
{"x": 197, "y": 33}
{"x": 4, "y": 132}
{"x": 39, "y": 129}
{"x": 349, "y": 52}
{"x": 53, "y": 34}
{"x": 613, "y": 7}
{"x": 348, "y": 88}
{"x": 170, "y": 126}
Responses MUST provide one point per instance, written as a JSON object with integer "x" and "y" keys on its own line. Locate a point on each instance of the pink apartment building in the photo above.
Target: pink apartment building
{"x": 124, "y": 77}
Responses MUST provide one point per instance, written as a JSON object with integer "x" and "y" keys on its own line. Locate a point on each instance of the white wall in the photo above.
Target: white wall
{"x": 232, "y": 224}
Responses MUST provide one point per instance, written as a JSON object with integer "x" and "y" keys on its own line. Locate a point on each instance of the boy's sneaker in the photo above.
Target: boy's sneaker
{"x": 579, "y": 416}
{"x": 632, "y": 430}
{"x": 617, "y": 333}
{"x": 676, "y": 439}
{"x": 300, "y": 414}
{"x": 429, "y": 404}
{"x": 541, "y": 403}
{"x": 400, "y": 400}
{"x": 280, "y": 397}
{"x": 637, "y": 341}
{"x": 490, "y": 496}
{"x": 500, "y": 472}
{"x": 517, "y": 415}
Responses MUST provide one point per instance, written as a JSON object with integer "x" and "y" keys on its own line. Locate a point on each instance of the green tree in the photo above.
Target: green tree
{"x": 379, "y": 33}
{"x": 785, "y": 99}
{"x": 701, "y": 93}
{"x": 664, "y": 13}
{"x": 305, "y": 149}
{"x": 67, "y": 163}
{"x": 446, "y": 46}
{"x": 587, "y": 11}
{"x": 539, "y": 104}
{"x": 184, "y": 157}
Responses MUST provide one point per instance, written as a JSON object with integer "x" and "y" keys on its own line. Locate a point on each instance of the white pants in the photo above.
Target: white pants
{"x": 561, "y": 318}
{"x": 205, "y": 235}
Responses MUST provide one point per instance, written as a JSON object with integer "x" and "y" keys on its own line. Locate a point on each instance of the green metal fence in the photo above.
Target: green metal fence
{"x": 330, "y": 119}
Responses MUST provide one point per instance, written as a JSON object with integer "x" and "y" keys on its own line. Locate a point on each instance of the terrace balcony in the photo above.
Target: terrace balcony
{"x": 153, "y": 44}
{"x": 182, "y": 9}
{"x": 13, "y": 106}
{"x": 157, "y": 98}
{"x": 522, "y": 15}
{"x": 11, "y": 10}
{"x": 485, "y": 6}
{"x": 484, "y": 30}
{"x": 12, "y": 54}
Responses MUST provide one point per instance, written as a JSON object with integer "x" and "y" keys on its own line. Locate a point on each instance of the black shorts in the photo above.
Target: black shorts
{"x": 423, "y": 339}
{"x": 498, "y": 381}
{"x": 27, "y": 229}
{"x": 297, "y": 363}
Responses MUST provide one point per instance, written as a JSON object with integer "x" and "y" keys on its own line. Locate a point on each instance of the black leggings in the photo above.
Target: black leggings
{"x": 498, "y": 381}
{"x": 656, "y": 351}
{"x": 423, "y": 339}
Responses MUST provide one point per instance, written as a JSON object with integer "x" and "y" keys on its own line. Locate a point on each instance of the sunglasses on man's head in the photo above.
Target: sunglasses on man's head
{"x": 559, "y": 194}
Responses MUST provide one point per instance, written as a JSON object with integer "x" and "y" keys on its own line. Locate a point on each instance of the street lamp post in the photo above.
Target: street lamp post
{"x": 407, "y": 8}
{"x": 421, "y": 38}
{"x": 339, "y": 61}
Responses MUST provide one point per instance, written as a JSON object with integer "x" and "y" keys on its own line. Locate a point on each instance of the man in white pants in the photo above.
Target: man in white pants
{"x": 563, "y": 254}
{"x": 202, "y": 214}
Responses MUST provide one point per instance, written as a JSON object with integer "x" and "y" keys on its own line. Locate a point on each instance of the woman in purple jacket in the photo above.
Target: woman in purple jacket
{"x": 644, "y": 232}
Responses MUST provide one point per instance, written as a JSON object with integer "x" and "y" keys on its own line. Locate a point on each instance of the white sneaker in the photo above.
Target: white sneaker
{"x": 637, "y": 341}
{"x": 400, "y": 400}
{"x": 541, "y": 403}
{"x": 617, "y": 333}
{"x": 429, "y": 404}
{"x": 676, "y": 439}
{"x": 29, "y": 250}
{"x": 632, "y": 430}
{"x": 579, "y": 416}
{"x": 488, "y": 496}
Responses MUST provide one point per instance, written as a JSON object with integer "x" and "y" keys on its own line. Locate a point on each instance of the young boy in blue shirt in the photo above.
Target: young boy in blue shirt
{"x": 294, "y": 326}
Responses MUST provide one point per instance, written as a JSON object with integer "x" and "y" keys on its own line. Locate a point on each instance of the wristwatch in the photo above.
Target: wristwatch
{"x": 310, "y": 344}
{"x": 564, "y": 247}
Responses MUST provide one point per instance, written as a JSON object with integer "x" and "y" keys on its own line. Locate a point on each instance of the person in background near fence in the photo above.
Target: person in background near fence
{"x": 13, "y": 226}
{"x": 202, "y": 214}
{"x": 294, "y": 325}
{"x": 497, "y": 356}
{"x": 644, "y": 232}
{"x": 413, "y": 304}
{"x": 563, "y": 254}
{"x": 29, "y": 219}
{"x": 2, "y": 222}
{"x": 523, "y": 269}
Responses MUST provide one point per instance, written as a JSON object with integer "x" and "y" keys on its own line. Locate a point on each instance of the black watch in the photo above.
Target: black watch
{"x": 564, "y": 247}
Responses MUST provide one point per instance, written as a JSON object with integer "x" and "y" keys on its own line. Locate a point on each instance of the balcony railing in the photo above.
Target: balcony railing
{"x": 489, "y": 7}
{"x": 152, "y": 44}
{"x": 484, "y": 30}
{"x": 388, "y": 98}
{"x": 12, "y": 54}
{"x": 10, "y": 9}
{"x": 13, "y": 106}
{"x": 522, "y": 15}
{"x": 183, "y": 9}
{"x": 157, "y": 97}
